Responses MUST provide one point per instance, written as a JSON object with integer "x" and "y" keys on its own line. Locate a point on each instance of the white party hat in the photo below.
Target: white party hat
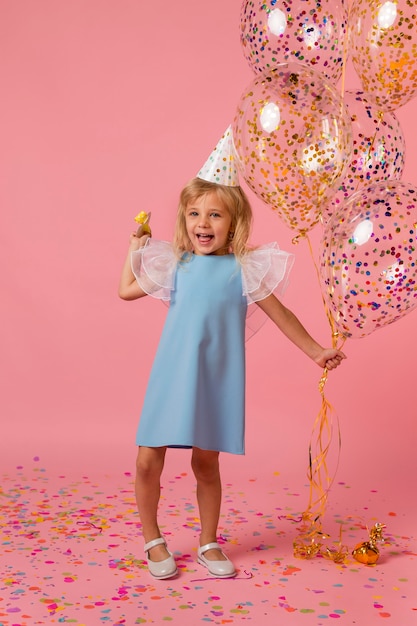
{"x": 220, "y": 167}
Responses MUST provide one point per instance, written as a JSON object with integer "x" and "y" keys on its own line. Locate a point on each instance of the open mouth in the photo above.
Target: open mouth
{"x": 204, "y": 238}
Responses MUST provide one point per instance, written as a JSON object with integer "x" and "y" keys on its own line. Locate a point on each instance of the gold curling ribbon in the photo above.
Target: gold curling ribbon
{"x": 301, "y": 235}
{"x": 312, "y": 540}
{"x": 309, "y": 542}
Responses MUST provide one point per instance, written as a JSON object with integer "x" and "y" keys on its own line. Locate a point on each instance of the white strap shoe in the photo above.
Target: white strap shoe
{"x": 160, "y": 569}
{"x": 220, "y": 569}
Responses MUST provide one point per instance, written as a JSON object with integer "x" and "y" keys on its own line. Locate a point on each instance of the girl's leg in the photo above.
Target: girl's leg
{"x": 149, "y": 466}
{"x": 205, "y": 465}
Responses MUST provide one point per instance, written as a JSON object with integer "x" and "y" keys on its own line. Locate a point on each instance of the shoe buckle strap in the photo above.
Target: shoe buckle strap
{"x": 155, "y": 542}
{"x": 209, "y": 546}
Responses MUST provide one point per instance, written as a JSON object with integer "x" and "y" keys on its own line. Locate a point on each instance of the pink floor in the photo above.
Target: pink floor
{"x": 72, "y": 552}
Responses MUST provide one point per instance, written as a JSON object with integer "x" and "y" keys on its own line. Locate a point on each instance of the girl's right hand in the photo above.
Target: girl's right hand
{"x": 138, "y": 239}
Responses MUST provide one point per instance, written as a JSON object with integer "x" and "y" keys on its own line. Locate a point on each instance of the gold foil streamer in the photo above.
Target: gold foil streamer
{"x": 312, "y": 541}
{"x": 309, "y": 542}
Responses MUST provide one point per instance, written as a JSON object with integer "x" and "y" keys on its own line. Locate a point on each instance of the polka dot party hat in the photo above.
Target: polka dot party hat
{"x": 220, "y": 167}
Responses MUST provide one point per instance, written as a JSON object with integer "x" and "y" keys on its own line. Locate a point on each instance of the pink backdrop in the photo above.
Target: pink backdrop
{"x": 107, "y": 108}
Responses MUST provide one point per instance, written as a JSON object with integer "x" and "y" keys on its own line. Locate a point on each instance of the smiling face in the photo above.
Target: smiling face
{"x": 208, "y": 224}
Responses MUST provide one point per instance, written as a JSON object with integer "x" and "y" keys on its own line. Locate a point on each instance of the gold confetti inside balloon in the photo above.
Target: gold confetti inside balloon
{"x": 383, "y": 48}
{"x": 292, "y": 137}
{"x": 143, "y": 220}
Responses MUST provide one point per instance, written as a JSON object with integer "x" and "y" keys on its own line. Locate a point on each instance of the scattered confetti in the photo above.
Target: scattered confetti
{"x": 71, "y": 553}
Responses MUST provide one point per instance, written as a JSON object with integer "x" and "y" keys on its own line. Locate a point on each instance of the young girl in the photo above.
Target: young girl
{"x": 195, "y": 395}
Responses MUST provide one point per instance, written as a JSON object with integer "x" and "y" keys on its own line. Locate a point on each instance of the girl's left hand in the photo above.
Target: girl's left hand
{"x": 330, "y": 358}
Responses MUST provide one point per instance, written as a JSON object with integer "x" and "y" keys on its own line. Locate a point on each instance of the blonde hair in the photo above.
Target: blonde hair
{"x": 234, "y": 200}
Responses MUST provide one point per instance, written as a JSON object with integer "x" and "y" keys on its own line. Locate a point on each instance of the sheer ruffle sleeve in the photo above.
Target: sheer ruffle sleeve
{"x": 154, "y": 267}
{"x": 265, "y": 270}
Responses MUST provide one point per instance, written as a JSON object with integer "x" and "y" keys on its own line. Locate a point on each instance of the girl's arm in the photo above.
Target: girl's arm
{"x": 128, "y": 285}
{"x": 292, "y": 328}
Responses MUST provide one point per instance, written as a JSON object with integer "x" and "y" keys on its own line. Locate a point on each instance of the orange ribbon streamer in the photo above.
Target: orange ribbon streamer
{"x": 309, "y": 542}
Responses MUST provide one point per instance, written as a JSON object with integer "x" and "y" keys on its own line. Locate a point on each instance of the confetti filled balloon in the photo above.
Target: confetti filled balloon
{"x": 309, "y": 32}
{"x": 292, "y": 137}
{"x": 378, "y": 151}
{"x": 383, "y": 47}
{"x": 369, "y": 258}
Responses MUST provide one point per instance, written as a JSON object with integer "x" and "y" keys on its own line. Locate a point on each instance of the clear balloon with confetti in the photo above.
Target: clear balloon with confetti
{"x": 378, "y": 151}
{"x": 369, "y": 258}
{"x": 383, "y": 48}
{"x": 292, "y": 137}
{"x": 278, "y": 31}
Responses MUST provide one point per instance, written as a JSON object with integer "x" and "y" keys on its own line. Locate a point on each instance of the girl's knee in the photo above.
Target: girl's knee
{"x": 205, "y": 465}
{"x": 149, "y": 462}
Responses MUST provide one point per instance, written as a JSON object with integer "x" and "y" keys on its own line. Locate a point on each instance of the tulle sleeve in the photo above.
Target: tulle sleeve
{"x": 154, "y": 267}
{"x": 265, "y": 270}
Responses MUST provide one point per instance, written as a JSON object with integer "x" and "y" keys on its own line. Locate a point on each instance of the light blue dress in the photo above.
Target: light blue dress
{"x": 196, "y": 390}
